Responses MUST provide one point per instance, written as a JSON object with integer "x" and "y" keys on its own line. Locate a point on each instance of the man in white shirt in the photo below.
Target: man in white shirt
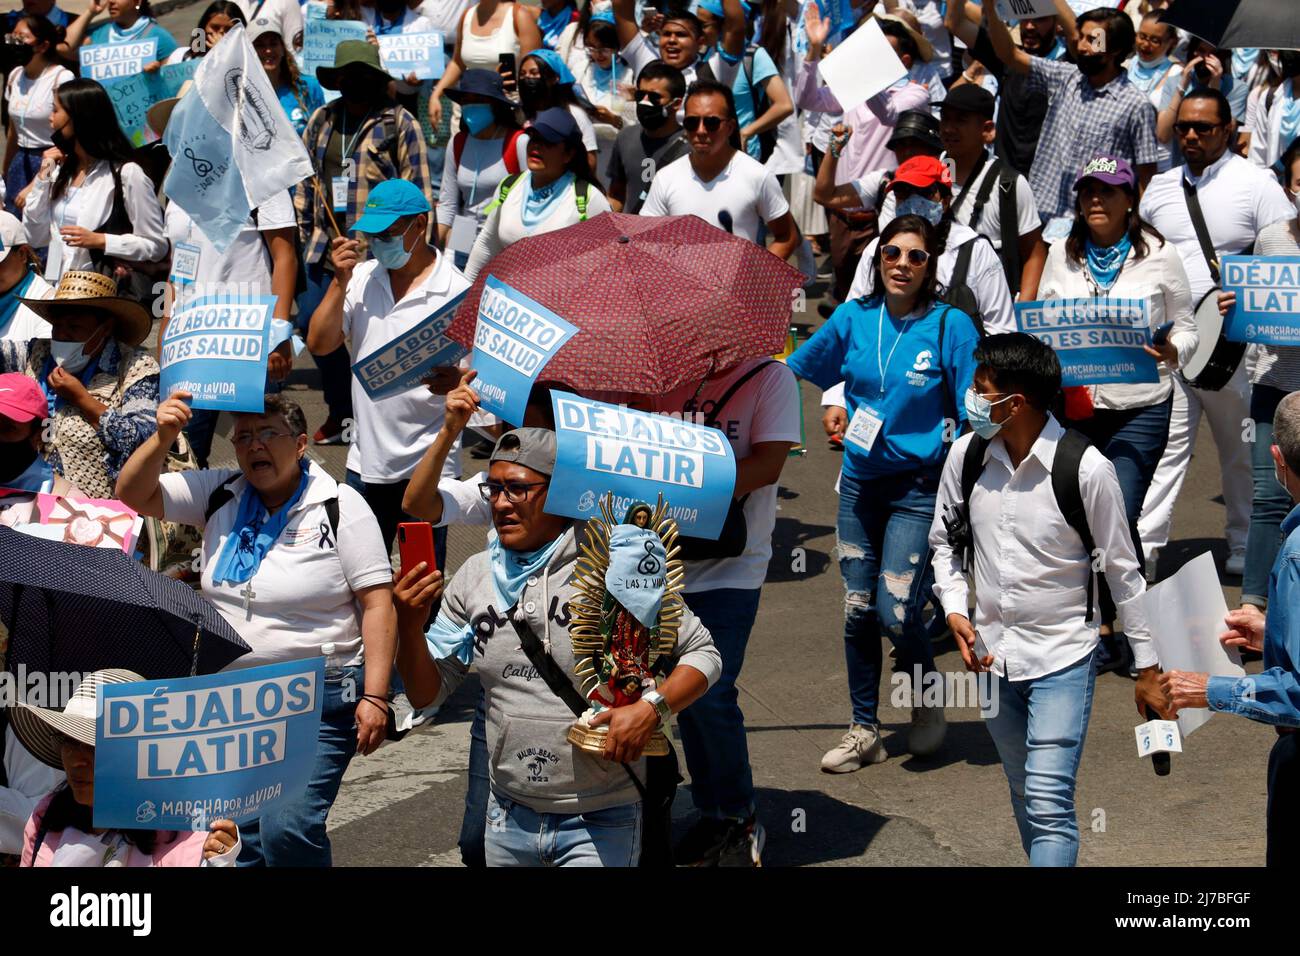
{"x": 718, "y": 181}
{"x": 682, "y": 44}
{"x": 1027, "y": 557}
{"x": 372, "y": 303}
{"x": 1238, "y": 200}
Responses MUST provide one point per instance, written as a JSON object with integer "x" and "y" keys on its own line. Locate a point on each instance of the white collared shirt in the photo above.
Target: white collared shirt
{"x": 1031, "y": 570}
{"x": 1238, "y": 199}
{"x": 393, "y": 433}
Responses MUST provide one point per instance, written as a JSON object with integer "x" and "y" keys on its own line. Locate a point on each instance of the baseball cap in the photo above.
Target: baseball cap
{"x": 263, "y": 25}
{"x": 922, "y": 172}
{"x": 555, "y": 125}
{"x": 531, "y": 447}
{"x": 1110, "y": 170}
{"x": 919, "y": 125}
{"x": 388, "y": 202}
{"x": 12, "y": 233}
{"x": 21, "y": 398}
{"x": 969, "y": 99}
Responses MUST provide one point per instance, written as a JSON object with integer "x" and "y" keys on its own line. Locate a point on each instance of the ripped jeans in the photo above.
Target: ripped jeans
{"x": 884, "y": 555}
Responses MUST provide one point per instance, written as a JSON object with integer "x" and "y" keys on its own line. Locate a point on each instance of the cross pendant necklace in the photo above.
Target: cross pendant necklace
{"x": 248, "y": 594}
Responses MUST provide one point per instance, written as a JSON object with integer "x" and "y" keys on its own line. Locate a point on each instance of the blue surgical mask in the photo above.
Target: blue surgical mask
{"x": 478, "y": 117}
{"x": 916, "y": 205}
{"x": 979, "y": 411}
{"x": 391, "y": 253}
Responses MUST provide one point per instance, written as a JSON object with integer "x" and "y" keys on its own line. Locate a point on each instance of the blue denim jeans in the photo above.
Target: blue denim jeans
{"x": 336, "y": 367}
{"x": 884, "y": 554}
{"x": 1039, "y": 726}
{"x": 519, "y": 836}
{"x": 294, "y": 834}
{"x": 713, "y": 728}
{"x": 1270, "y": 503}
{"x": 474, "y": 824}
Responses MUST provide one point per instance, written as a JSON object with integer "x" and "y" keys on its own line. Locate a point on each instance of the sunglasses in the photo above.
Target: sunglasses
{"x": 915, "y": 257}
{"x": 711, "y": 123}
{"x": 1184, "y": 127}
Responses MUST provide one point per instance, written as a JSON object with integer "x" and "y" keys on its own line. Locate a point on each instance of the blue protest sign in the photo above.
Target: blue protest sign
{"x": 1098, "y": 341}
{"x": 513, "y": 341}
{"x": 400, "y": 364}
{"x": 216, "y": 350}
{"x": 133, "y": 96}
{"x": 320, "y": 37}
{"x": 405, "y": 53}
{"x": 109, "y": 61}
{"x": 1268, "y": 299}
{"x": 637, "y": 456}
{"x": 179, "y": 754}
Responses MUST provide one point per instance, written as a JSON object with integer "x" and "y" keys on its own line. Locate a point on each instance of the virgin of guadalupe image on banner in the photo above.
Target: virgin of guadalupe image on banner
{"x": 626, "y": 611}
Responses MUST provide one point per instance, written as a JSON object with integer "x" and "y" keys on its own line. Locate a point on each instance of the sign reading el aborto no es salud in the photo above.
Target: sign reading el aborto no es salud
{"x": 400, "y": 365}
{"x": 1267, "y": 311}
{"x": 178, "y": 754}
{"x": 1097, "y": 340}
{"x": 216, "y": 350}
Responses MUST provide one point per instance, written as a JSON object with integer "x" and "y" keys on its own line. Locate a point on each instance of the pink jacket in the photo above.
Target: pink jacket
{"x": 174, "y": 849}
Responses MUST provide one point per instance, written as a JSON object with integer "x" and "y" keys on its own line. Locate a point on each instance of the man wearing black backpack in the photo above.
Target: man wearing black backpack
{"x": 1034, "y": 513}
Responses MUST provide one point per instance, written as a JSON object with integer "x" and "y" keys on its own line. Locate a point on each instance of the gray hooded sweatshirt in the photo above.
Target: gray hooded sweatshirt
{"x": 531, "y": 761}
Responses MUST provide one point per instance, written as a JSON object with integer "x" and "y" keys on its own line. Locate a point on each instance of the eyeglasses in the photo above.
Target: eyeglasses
{"x": 915, "y": 257}
{"x": 711, "y": 123}
{"x": 515, "y": 491}
{"x": 1184, "y": 127}
{"x": 263, "y": 436}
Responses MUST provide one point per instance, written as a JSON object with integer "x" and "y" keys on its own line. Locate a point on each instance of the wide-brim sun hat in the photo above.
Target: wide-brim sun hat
{"x": 90, "y": 291}
{"x": 478, "y": 82}
{"x": 158, "y": 114}
{"x": 923, "y": 46}
{"x": 351, "y": 53}
{"x": 38, "y": 728}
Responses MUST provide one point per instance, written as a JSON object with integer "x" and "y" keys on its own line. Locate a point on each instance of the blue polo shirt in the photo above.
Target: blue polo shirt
{"x": 900, "y": 369}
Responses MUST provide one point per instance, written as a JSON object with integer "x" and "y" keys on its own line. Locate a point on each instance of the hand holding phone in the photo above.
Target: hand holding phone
{"x": 415, "y": 544}
{"x": 507, "y": 68}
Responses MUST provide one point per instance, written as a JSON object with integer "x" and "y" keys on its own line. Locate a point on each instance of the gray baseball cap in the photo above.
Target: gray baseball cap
{"x": 531, "y": 447}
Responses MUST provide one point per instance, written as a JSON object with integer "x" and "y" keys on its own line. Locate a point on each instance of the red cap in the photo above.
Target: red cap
{"x": 21, "y": 398}
{"x": 922, "y": 172}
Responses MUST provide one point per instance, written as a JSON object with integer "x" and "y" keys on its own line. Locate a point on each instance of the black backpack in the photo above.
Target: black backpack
{"x": 1002, "y": 176}
{"x": 958, "y": 293}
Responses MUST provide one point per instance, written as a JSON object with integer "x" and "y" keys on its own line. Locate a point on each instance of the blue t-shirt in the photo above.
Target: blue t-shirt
{"x": 300, "y": 103}
{"x": 111, "y": 33}
{"x": 921, "y": 392}
{"x": 764, "y": 70}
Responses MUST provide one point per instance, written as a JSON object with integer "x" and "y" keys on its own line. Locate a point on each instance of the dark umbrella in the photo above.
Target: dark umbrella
{"x": 1230, "y": 24}
{"x": 659, "y": 301}
{"x": 76, "y": 609}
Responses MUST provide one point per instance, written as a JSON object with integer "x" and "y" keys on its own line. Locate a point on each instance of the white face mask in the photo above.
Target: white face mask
{"x": 69, "y": 356}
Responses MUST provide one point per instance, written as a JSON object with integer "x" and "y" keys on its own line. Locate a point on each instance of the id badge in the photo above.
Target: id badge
{"x": 464, "y": 230}
{"x": 864, "y": 428}
{"x": 339, "y": 186}
{"x": 185, "y": 262}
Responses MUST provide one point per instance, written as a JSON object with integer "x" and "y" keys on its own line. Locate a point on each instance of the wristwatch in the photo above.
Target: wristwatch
{"x": 657, "y": 701}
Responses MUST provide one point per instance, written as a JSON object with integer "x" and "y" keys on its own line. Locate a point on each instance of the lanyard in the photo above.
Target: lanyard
{"x": 880, "y": 334}
{"x": 346, "y": 150}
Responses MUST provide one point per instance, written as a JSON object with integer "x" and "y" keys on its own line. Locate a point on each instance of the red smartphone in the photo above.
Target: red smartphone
{"x": 415, "y": 544}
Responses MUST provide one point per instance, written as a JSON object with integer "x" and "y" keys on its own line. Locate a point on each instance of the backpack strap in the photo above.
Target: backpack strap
{"x": 390, "y": 137}
{"x": 972, "y": 466}
{"x": 219, "y": 498}
{"x": 960, "y": 275}
{"x": 1069, "y": 498}
{"x": 711, "y": 420}
{"x": 1009, "y": 223}
{"x": 985, "y": 192}
{"x": 502, "y": 192}
{"x": 581, "y": 189}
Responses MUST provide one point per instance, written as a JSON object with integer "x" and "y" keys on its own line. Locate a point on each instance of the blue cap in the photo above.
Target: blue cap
{"x": 603, "y": 16}
{"x": 388, "y": 202}
{"x": 713, "y": 7}
{"x": 555, "y": 63}
{"x": 555, "y": 125}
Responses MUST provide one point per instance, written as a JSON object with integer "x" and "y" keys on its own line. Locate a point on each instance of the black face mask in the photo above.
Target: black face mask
{"x": 62, "y": 141}
{"x": 1290, "y": 62}
{"x": 1090, "y": 64}
{"x": 361, "y": 90}
{"x": 532, "y": 91}
{"x": 651, "y": 116}
{"x": 15, "y": 458}
{"x": 20, "y": 54}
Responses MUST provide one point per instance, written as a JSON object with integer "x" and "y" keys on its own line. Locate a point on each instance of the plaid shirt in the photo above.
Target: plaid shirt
{"x": 1117, "y": 120}
{"x": 373, "y": 158}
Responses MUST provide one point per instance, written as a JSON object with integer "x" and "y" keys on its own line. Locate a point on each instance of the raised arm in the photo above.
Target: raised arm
{"x": 325, "y": 331}
{"x": 137, "y": 482}
{"x": 625, "y": 22}
{"x": 1015, "y": 58}
{"x": 422, "y": 497}
{"x": 961, "y": 23}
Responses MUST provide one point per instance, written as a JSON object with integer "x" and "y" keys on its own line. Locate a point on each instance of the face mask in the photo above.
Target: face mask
{"x": 15, "y": 458}
{"x": 916, "y": 205}
{"x": 359, "y": 90}
{"x": 21, "y": 53}
{"x": 70, "y": 356}
{"x": 391, "y": 253}
{"x": 978, "y": 412}
{"x": 532, "y": 89}
{"x": 1280, "y": 478}
{"x": 1090, "y": 64}
{"x": 62, "y": 141}
{"x": 1289, "y": 63}
{"x": 478, "y": 117}
{"x": 651, "y": 115}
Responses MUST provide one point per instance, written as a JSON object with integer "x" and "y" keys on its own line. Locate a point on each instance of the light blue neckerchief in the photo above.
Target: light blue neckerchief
{"x": 1145, "y": 76}
{"x": 36, "y": 477}
{"x": 1243, "y": 58}
{"x": 253, "y": 534}
{"x": 539, "y": 202}
{"x": 9, "y": 301}
{"x": 1057, "y": 52}
{"x": 512, "y": 569}
{"x": 637, "y": 575}
{"x": 1105, "y": 262}
{"x": 117, "y": 35}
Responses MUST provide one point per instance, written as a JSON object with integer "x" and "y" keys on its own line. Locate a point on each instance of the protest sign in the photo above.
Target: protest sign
{"x": 109, "y": 61}
{"x": 1027, "y": 9}
{"x": 861, "y": 66}
{"x": 1268, "y": 299}
{"x": 513, "y": 341}
{"x": 400, "y": 364}
{"x": 320, "y": 37}
{"x": 216, "y": 350}
{"x": 637, "y": 456}
{"x": 839, "y": 12}
{"x": 1097, "y": 340}
{"x": 133, "y": 96}
{"x": 178, "y": 754}
{"x": 315, "y": 10}
{"x": 405, "y": 53}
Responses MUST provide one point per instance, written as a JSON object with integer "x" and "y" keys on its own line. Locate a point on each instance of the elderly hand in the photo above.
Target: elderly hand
{"x": 67, "y": 386}
{"x": 1184, "y": 689}
{"x": 173, "y": 415}
{"x": 630, "y": 728}
{"x": 222, "y": 836}
{"x": 1245, "y": 628}
{"x": 1148, "y": 693}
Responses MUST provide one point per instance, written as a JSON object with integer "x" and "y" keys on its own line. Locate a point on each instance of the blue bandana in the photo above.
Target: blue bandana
{"x": 539, "y": 202}
{"x": 253, "y": 534}
{"x": 1145, "y": 76}
{"x": 1105, "y": 262}
{"x": 636, "y": 576}
{"x": 552, "y": 25}
{"x": 512, "y": 569}
{"x": 555, "y": 64}
{"x": 9, "y": 301}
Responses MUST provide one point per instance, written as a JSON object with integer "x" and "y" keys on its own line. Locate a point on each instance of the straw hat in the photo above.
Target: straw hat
{"x": 913, "y": 26}
{"x": 92, "y": 292}
{"x": 36, "y": 727}
{"x": 158, "y": 114}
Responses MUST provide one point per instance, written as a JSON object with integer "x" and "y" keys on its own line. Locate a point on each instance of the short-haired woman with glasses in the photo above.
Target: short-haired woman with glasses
{"x": 295, "y": 562}
{"x": 906, "y": 360}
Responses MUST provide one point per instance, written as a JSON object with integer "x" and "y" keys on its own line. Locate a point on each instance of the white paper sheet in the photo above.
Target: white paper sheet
{"x": 1186, "y": 615}
{"x": 861, "y": 66}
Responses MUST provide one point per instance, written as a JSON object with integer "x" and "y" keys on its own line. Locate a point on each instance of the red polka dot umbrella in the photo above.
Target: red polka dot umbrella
{"x": 658, "y": 301}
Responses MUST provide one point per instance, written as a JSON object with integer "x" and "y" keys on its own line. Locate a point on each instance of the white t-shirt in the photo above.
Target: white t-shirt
{"x": 303, "y": 591}
{"x": 393, "y": 433}
{"x": 26, "y": 324}
{"x": 585, "y": 127}
{"x": 990, "y": 224}
{"x": 766, "y": 408}
{"x": 744, "y": 193}
{"x": 244, "y": 269}
{"x": 31, "y": 102}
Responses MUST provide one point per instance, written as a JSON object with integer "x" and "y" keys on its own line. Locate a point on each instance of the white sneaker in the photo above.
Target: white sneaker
{"x": 1236, "y": 563}
{"x": 928, "y": 730}
{"x": 859, "y": 747}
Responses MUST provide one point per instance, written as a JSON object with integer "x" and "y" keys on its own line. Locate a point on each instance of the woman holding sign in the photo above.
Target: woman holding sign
{"x": 130, "y": 22}
{"x": 906, "y": 359}
{"x": 29, "y": 92}
{"x": 1112, "y": 253}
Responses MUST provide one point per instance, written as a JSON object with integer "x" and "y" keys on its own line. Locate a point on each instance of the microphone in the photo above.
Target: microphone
{"x": 1159, "y": 761}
